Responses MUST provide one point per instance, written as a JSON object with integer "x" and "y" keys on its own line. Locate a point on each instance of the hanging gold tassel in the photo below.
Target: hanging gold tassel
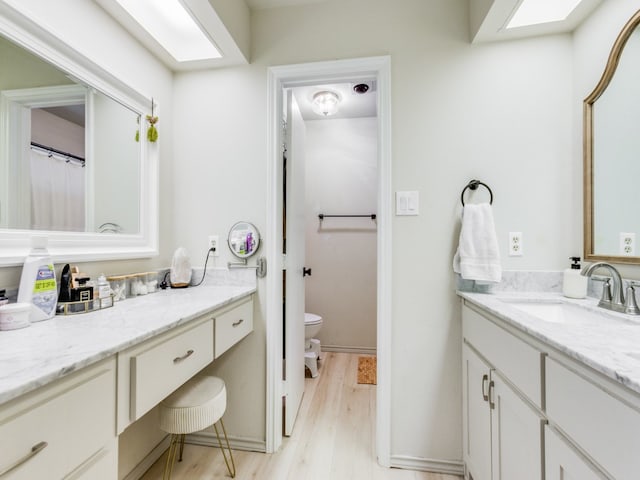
{"x": 152, "y": 131}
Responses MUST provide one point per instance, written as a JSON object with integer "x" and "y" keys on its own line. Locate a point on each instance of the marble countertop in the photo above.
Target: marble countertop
{"x": 45, "y": 351}
{"x": 611, "y": 347}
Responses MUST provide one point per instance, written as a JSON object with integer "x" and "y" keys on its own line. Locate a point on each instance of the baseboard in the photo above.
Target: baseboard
{"x": 209, "y": 439}
{"x": 153, "y": 456}
{"x": 427, "y": 465}
{"x": 347, "y": 349}
{"x": 200, "y": 438}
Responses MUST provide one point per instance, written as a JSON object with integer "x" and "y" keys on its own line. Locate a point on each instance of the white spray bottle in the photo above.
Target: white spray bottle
{"x": 38, "y": 281}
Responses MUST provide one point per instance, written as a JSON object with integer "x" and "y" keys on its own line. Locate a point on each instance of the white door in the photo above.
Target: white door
{"x": 294, "y": 263}
{"x": 476, "y": 415}
{"x": 516, "y": 434}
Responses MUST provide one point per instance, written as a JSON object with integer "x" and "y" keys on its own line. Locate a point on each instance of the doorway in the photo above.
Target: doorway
{"x": 280, "y": 79}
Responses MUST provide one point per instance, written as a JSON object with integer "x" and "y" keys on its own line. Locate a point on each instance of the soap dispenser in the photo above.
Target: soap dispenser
{"x": 574, "y": 285}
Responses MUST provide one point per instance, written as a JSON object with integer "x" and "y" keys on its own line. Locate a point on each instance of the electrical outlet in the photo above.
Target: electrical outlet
{"x": 627, "y": 244}
{"x": 214, "y": 243}
{"x": 515, "y": 244}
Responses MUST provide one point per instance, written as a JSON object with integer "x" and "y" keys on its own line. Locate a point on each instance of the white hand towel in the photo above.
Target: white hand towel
{"x": 477, "y": 257}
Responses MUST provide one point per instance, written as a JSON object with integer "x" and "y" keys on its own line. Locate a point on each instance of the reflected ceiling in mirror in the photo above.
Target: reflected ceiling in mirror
{"x": 611, "y": 148}
{"x": 70, "y": 152}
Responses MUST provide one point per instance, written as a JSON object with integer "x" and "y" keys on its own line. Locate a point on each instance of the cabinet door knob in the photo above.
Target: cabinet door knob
{"x": 37, "y": 448}
{"x": 485, "y": 394}
{"x": 235, "y": 324}
{"x": 306, "y": 271}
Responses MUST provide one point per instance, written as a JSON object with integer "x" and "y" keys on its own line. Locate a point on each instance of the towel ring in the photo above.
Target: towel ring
{"x": 473, "y": 185}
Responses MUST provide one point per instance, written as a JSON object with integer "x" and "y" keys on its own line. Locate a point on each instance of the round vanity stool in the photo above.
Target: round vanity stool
{"x": 196, "y": 405}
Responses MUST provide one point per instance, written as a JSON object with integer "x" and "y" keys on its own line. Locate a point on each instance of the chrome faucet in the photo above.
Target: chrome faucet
{"x": 613, "y": 295}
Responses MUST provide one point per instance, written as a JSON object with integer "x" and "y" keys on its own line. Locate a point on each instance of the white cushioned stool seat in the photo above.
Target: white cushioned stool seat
{"x": 196, "y": 405}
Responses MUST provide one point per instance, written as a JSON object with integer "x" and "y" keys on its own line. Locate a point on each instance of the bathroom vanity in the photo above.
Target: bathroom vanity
{"x": 551, "y": 389}
{"x": 69, "y": 386}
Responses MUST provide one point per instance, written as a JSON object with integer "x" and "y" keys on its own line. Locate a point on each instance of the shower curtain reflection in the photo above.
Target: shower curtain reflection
{"x": 57, "y": 193}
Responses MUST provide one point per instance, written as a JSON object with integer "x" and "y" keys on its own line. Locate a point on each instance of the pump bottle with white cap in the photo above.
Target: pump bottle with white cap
{"x": 38, "y": 281}
{"x": 574, "y": 285}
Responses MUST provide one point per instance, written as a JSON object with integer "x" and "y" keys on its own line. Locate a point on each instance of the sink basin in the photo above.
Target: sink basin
{"x": 563, "y": 313}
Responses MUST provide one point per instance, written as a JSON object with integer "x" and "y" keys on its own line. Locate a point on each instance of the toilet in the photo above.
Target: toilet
{"x": 312, "y": 325}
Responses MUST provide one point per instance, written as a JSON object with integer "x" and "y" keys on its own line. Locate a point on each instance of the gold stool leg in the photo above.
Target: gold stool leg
{"x": 171, "y": 457}
{"x": 231, "y": 472}
{"x": 181, "y": 446}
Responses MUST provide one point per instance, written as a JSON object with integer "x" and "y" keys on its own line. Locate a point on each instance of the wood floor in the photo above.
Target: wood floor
{"x": 334, "y": 438}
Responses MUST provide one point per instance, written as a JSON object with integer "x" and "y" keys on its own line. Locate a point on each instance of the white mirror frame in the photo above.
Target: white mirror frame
{"x": 85, "y": 246}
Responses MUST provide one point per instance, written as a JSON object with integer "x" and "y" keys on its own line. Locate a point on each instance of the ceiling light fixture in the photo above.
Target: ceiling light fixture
{"x": 535, "y": 12}
{"x": 325, "y": 103}
{"x": 173, "y": 27}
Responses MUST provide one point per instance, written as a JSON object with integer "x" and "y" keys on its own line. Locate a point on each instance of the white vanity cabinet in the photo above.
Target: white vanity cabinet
{"x": 150, "y": 371}
{"x": 64, "y": 430}
{"x": 502, "y": 385}
{"x": 596, "y": 416}
{"x": 539, "y": 406}
{"x": 232, "y": 324}
{"x": 562, "y": 462}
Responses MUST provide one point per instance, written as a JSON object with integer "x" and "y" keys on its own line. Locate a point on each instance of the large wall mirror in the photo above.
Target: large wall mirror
{"x": 72, "y": 165}
{"x": 611, "y": 154}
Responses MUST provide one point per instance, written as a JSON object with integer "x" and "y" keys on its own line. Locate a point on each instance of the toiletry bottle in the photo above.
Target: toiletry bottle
{"x": 104, "y": 291}
{"x": 249, "y": 247}
{"x": 38, "y": 281}
{"x": 574, "y": 285}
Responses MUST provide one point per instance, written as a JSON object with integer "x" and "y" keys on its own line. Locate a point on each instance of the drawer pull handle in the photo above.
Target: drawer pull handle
{"x": 183, "y": 357}
{"x": 485, "y": 395}
{"x": 235, "y": 324}
{"x": 37, "y": 448}
{"x": 492, "y": 386}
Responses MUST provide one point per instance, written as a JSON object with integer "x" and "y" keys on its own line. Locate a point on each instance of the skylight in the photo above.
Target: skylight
{"x": 171, "y": 25}
{"x": 535, "y": 12}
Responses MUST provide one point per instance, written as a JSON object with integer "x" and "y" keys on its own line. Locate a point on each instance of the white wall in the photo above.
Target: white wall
{"x": 498, "y": 112}
{"x": 56, "y": 132}
{"x": 341, "y": 178}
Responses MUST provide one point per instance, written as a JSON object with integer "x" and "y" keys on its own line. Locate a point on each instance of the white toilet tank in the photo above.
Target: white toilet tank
{"x": 312, "y": 325}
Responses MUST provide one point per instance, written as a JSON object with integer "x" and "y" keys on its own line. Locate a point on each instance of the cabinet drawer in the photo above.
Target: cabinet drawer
{"x": 159, "y": 370}
{"x": 606, "y": 428}
{"x": 232, "y": 326}
{"x": 75, "y": 422}
{"x": 515, "y": 359}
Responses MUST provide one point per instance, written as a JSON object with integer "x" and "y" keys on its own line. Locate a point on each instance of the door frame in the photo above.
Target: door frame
{"x": 286, "y": 76}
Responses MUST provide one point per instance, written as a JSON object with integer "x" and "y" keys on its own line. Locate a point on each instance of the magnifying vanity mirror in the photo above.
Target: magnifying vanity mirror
{"x": 74, "y": 161}
{"x": 611, "y": 149}
{"x": 243, "y": 240}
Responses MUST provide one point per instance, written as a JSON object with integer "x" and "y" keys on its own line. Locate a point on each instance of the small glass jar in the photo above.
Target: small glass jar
{"x": 138, "y": 284}
{"x": 151, "y": 279}
{"x": 119, "y": 286}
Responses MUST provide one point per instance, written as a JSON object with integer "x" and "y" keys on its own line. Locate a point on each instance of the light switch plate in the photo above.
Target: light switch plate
{"x": 407, "y": 203}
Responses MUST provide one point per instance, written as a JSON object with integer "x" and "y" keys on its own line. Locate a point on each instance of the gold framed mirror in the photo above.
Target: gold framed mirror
{"x": 611, "y": 145}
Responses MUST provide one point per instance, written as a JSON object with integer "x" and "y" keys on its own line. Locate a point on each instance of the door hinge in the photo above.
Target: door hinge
{"x": 284, "y": 261}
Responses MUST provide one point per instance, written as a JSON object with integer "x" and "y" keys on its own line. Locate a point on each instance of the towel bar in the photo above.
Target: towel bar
{"x": 473, "y": 185}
